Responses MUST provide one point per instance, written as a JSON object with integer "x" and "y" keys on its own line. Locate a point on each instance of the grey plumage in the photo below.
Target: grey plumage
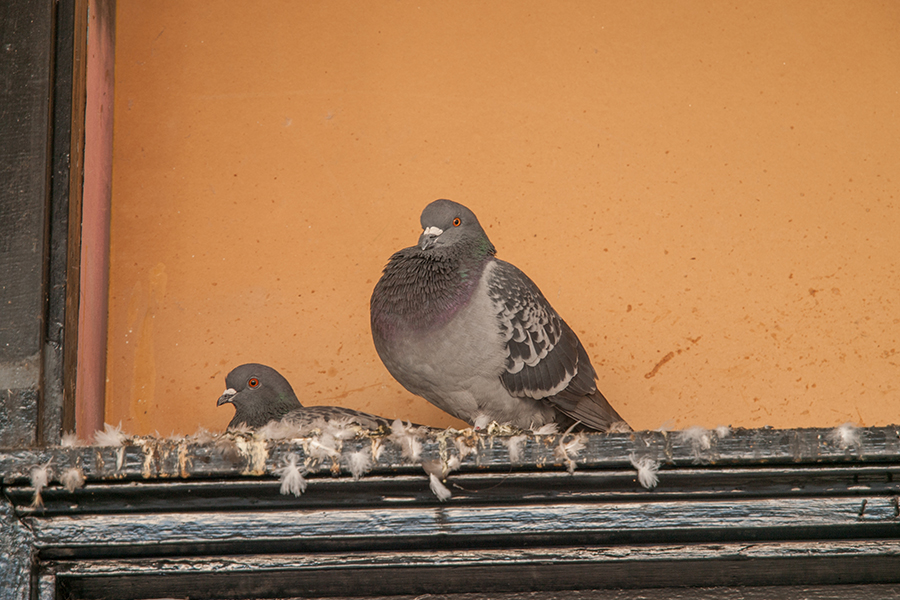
{"x": 475, "y": 336}
{"x": 260, "y": 394}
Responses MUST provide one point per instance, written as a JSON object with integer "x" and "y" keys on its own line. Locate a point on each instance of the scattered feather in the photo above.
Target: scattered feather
{"x": 514, "y": 444}
{"x": 667, "y": 425}
{"x": 201, "y": 436}
{"x": 412, "y": 449}
{"x": 72, "y": 478}
{"x": 229, "y": 450}
{"x": 278, "y": 430}
{"x": 359, "y": 464}
{"x": 292, "y": 481}
{"x": 322, "y": 447}
{"x": 546, "y": 429}
{"x": 341, "y": 429}
{"x": 110, "y": 436}
{"x": 723, "y": 431}
{"x": 70, "y": 440}
{"x": 120, "y": 458}
{"x": 647, "y": 469}
{"x": 439, "y": 489}
{"x": 845, "y": 436}
{"x": 619, "y": 427}
{"x": 40, "y": 477}
{"x": 242, "y": 429}
{"x": 465, "y": 446}
{"x": 568, "y": 451}
{"x": 453, "y": 463}
{"x": 406, "y": 436}
{"x": 434, "y": 467}
{"x": 699, "y": 438}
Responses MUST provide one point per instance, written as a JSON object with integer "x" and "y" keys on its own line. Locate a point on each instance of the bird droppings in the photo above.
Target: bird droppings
{"x": 148, "y": 450}
{"x": 466, "y": 445}
{"x": 647, "y": 469}
{"x": 376, "y": 449}
{"x": 184, "y": 460}
{"x": 256, "y": 451}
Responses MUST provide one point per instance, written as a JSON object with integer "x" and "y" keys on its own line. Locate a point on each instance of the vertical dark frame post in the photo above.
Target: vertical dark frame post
{"x": 41, "y": 125}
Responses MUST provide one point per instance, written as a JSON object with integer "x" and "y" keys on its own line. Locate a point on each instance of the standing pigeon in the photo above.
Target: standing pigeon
{"x": 261, "y": 394}
{"x": 474, "y": 336}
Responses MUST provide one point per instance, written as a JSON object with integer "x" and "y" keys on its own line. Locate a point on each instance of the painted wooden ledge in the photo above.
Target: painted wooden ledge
{"x": 205, "y": 517}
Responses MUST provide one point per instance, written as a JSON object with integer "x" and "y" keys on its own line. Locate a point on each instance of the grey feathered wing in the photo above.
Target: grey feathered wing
{"x": 545, "y": 359}
{"x": 310, "y": 414}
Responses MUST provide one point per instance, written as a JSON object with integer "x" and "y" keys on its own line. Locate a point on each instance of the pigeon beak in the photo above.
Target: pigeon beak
{"x": 426, "y": 240}
{"x": 226, "y": 397}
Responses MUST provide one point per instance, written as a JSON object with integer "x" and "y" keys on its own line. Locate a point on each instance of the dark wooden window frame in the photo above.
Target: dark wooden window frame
{"x": 42, "y": 132}
{"x": 759, "y": 513}
{"x": 754, "y": 514}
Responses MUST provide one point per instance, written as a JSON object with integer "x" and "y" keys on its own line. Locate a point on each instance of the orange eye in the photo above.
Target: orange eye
{"x": 253, "y": 382}
{"x": 456, "y": 222}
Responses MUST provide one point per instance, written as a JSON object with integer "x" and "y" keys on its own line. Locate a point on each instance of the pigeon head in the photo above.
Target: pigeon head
{"x": 424, "y": 285}
{"x": 259, "y": 394}
{"x": 446, "y": 223}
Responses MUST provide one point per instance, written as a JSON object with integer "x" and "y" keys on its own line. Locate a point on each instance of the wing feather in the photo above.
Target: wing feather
{"x": 545, "y": 360}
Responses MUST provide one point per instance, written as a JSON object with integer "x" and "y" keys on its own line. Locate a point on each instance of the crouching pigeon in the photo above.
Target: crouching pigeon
{"x": 474, "y": 336}
{"x": 260, "y": 394}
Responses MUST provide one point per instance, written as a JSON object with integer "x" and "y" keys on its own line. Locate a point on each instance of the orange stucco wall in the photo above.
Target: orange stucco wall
{"x": 708, "y": 193}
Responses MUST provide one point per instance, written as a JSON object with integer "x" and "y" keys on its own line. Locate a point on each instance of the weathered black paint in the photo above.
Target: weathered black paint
{"x": 26, "y": 29}
{"x": 36, "y": 126}
{"x": 757, "y": 508}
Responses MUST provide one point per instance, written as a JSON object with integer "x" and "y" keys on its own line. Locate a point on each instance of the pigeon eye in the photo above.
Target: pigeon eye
{"x": 456, "y": 222}
{"x": 253, "y": 382}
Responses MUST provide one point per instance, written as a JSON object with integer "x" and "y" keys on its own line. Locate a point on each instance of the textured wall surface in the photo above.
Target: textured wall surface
{"x": 708, "y": 194}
